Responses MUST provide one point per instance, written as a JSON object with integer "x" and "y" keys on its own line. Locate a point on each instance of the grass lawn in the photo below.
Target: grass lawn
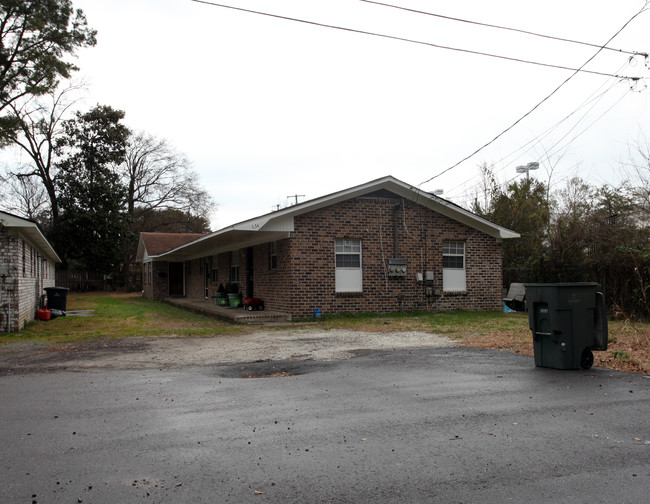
{"x": 120, "y": 315}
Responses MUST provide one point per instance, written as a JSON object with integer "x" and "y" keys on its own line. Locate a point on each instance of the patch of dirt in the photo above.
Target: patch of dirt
{"x": 628, "y": 348}
{"x": 166, "y": 352}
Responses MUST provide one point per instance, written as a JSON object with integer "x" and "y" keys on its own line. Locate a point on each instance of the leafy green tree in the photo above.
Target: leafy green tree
{"x": 620, "y": 249}
{"x": 35, "y": 38}
{"x": 522, "y": 207}
{"x": 93, "y": 226}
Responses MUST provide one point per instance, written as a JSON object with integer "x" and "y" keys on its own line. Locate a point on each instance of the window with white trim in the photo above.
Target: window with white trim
{"x": 453, "y": 266}
{"x": 348, "y": 265}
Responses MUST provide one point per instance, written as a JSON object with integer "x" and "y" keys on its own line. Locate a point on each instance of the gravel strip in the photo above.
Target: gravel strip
{"x": 164, "y": 352}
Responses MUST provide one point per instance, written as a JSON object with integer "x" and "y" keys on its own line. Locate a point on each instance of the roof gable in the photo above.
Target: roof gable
{"x": 385, "y": 187}
{"x": 279, "y": 224}
{"x": 153, "y": 244}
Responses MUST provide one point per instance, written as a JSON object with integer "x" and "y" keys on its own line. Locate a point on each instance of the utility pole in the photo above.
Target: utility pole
{"x": 296, "y": 196}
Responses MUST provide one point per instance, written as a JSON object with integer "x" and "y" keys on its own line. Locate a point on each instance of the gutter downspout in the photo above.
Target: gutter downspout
{"x": 395, "y": 249}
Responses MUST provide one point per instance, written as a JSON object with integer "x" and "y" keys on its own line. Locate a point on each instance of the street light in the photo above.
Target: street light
{"x": 533, "y": 165}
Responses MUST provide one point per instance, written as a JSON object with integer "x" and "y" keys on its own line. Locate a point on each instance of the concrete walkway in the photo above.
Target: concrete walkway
{"x": 237, "y": 315}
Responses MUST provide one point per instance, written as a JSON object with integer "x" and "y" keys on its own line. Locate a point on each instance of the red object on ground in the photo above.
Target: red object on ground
{"x": 253, "y": 303}
{"x": 43, "y": 314}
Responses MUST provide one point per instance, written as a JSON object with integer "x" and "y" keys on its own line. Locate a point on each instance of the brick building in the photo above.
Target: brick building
{"x": 379, "y": 247}
{"x": 26, "y": 268}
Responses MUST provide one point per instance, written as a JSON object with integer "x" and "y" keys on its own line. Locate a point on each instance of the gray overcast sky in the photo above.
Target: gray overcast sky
{"x": 266, "y": 107}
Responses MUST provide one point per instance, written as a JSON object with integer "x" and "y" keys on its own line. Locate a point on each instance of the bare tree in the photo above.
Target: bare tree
{"x": 487, "y": 190}
{"x": 25, "y": 197}
{"x": 40, "y": 128}
{"x": 158, "y": 177}
{"x": 637, "y": 170}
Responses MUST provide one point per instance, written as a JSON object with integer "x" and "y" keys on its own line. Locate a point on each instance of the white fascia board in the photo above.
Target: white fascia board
{"x": 238, "y": 240}
{"x": 452, "y": 211}
{"x": 224, "y": 240}
{"x": 31, "y": 232}
{"x": 472, "y": 220}
{"x": 268, "y": 222}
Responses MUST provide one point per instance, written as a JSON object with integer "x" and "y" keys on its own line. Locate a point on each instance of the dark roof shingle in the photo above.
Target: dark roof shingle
{"x": 158, "y": 243}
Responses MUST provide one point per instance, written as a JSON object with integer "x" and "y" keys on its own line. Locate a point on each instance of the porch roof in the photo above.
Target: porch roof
{"x": 154, "y": 244}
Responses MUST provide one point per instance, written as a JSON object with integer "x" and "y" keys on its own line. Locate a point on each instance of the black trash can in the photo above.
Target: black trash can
{"x": 57, "y": 298}
{"x": 568, "y": 322}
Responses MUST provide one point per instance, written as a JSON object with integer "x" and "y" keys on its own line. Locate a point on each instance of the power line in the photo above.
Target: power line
{"x": 550, "y": 153}
{"x": 538, "y": 104}
{"x": 466, "y": 193}
{"x": 419, "y": 42}
{"x": 592, "y": 100}
{"x": 516, "y": 30}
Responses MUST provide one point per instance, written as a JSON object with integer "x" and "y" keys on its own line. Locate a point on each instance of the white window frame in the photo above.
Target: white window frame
{"x": 348, "y": 265}
{"x": 454, "y": 274}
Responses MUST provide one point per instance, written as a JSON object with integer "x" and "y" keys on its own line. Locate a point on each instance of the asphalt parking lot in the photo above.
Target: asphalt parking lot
{"x": 437, "y": 425}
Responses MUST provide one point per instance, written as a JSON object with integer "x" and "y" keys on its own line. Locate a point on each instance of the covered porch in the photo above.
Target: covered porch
{"x": 236, "y": 315}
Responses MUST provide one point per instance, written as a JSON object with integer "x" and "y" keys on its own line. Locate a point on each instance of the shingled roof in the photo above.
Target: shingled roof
{"x": 158, "y": 243}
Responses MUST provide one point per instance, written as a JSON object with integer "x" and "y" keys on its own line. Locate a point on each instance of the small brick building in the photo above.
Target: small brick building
{"x": 26, "y": 268}
{"x": 379, "y": 247}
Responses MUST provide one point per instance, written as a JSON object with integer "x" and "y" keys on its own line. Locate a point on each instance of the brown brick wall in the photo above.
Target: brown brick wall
{"x": 27, "y": 278}
{"x": 306, "y": 261}
{"x": 157, "y": 287}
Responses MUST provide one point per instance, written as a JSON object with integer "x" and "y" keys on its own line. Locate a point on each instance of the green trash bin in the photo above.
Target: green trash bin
{"x": 568, "y": 322}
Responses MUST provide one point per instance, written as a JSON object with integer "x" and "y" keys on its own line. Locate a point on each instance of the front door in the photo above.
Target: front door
{"x": 176, "y": 284}
{"x": 249, "y": 272}
{"x": 206, "y": 271}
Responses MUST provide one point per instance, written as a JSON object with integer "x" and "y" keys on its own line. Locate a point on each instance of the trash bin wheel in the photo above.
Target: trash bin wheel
{"x": 587, "y": 359}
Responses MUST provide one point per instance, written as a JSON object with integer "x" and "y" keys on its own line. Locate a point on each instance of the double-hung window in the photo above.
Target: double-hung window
{"x": 453, "y": 266}
{"x": 348, "y": 265}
